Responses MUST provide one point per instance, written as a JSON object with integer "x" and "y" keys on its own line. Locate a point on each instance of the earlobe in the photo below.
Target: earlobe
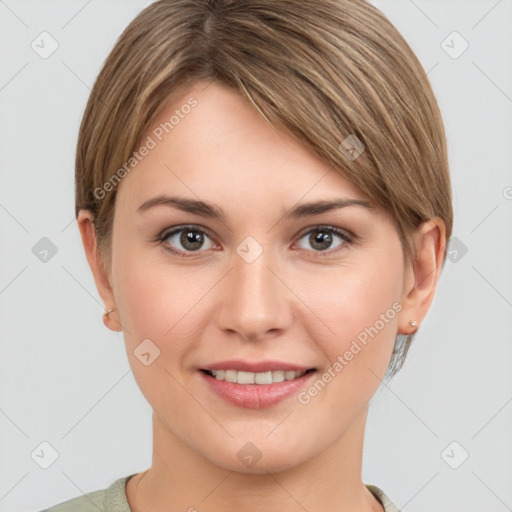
{"x": 109, "y": 322}
{"x": 422, "y": 277}
{"x": 101, "y": 278}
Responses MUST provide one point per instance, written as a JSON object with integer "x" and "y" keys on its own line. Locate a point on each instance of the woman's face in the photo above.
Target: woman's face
{"x": 256, "y": 285}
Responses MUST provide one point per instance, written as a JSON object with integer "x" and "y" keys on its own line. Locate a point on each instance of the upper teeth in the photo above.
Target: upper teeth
{"x": 255, "y": 378}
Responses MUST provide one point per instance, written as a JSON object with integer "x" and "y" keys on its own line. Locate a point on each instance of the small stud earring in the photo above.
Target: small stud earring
{"x": 413, "y": 323}
{"x": 108, "y": 312}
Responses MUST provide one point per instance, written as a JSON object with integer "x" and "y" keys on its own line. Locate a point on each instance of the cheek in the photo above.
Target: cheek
{"x": 360, "y": 303}
{"x": 158, "y": 301}
{"x": 138, "y": 287}
{"x": 355, "y": 303}
{"x": 153, "y": 305}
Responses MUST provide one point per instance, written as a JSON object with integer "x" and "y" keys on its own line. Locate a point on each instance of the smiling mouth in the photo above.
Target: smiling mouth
{"x": 263, "y": 378}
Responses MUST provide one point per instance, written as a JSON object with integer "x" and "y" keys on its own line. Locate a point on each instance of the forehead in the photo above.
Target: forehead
{"x": 210, "y": 141}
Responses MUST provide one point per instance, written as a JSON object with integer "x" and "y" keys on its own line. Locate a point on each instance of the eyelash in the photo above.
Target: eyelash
{"x": 348, "y": 239}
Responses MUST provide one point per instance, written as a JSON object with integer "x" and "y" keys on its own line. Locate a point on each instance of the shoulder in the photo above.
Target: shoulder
{"x": 111, "y": 499}
{"x": 388, "y": 505}
{"x": 92, "y": 501}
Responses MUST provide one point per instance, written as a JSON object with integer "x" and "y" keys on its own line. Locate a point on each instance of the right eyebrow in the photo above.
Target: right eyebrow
{"x": 187, "y": 205}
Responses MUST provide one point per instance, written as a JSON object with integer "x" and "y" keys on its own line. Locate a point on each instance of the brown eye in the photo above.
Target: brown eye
{"x": 185, "y": 239}
{"x": 321, "y": 239}
{"x": 191, "y": 240}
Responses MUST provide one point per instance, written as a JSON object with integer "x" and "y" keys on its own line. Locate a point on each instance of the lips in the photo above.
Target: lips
{"x": 255, "y": 385}
{"x": 257, "y": 366}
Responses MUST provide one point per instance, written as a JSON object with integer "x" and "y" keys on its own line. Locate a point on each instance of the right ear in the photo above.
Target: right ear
{"x": 101, "y": 278}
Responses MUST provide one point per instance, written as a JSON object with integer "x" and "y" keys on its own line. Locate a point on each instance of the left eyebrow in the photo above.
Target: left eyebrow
{"x": 210, "y": 210}
{"x": 318, "y": 207}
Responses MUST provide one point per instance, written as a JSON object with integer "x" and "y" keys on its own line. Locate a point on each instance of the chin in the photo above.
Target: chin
{"x": 259, "y": 459}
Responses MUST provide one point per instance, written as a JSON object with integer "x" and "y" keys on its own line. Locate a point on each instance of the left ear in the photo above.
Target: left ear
{"x": 421, "y": 278}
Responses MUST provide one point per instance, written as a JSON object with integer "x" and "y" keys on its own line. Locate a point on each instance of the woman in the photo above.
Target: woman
{"x": 263, "y": 195}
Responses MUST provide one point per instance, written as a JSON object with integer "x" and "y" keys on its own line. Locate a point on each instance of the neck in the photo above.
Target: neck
{"x": 180, "y": 479}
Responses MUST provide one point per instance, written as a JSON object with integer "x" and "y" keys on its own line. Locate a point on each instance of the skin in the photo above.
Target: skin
{"x": 286, "y": 305}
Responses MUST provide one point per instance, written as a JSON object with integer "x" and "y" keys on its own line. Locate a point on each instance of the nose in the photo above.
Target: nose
{"x": 254, "y": 301}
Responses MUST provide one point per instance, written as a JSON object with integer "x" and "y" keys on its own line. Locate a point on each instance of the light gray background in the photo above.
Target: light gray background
{"x": 65, "y": 379}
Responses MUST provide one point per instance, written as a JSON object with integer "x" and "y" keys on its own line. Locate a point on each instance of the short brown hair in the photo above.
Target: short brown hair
{"x": 320, "y": 70}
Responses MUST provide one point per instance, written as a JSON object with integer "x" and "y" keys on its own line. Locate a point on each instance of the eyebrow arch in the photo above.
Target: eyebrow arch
{"x": 318, "y": 207}
{"x": 208, "y": 210}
